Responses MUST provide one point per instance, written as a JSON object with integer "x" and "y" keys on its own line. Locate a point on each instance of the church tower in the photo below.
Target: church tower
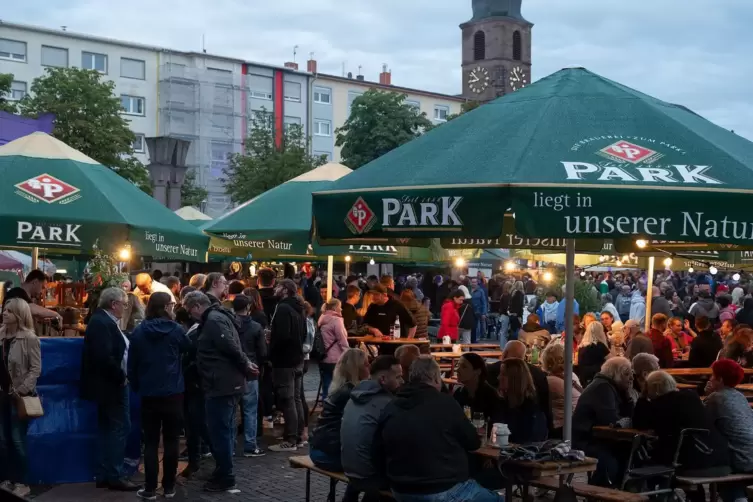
{"x": 496, "y": 50}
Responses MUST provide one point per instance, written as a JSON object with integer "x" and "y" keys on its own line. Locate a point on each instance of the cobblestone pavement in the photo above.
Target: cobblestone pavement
{"x": 267, "y": 478}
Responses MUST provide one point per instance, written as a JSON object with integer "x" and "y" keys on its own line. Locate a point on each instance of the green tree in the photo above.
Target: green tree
{"x": 262, "y": 165}
{"x": 6, "y": 105}
{"x": 87, "y": 118}
{"x": 465, "y": 108}
{"x": 192, "y": 194}
{"x": 379, "y": 122}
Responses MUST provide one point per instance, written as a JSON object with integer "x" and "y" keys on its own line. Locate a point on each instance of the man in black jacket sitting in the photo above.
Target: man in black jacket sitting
{"x": 223, "y": 368}
{"x": 424, "y": 439}
{"x": 288, "y": 330}
{"x": 255, "y": 347}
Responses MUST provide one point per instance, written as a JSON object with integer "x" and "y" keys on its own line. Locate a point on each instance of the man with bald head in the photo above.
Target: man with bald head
{"x": 146, "y": 286}
{"x": 515, "y": 349}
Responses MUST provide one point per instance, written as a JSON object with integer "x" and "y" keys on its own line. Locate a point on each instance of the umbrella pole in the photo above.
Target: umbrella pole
{"x": 34, "y": 258}
{"x": 330, "y": 273}
{"x": 649, "y": 293}
{"x": 569, "y": 296}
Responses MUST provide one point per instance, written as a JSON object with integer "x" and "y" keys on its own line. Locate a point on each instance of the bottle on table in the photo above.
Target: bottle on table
{"x": 396, "y": 328}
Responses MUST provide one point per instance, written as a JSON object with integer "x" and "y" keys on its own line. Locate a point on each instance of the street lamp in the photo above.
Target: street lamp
{"x": 125, "y": 253}
{"x": 460, "y": 262}
{"x": 641, "y": 243}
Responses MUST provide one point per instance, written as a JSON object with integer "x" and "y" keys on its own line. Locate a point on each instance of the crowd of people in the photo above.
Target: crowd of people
{"x": 198, "y": 350}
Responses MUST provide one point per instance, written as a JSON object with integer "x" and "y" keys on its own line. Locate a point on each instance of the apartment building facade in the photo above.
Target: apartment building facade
{"x": 208, "y": 99}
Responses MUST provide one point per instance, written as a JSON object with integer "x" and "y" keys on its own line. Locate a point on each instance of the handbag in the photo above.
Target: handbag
{"x": 29, "y": 407}
{"x": 26, "y": 406}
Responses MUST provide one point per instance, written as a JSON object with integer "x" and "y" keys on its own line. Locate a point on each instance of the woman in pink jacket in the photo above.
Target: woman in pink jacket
{"x": 335, "y": 339}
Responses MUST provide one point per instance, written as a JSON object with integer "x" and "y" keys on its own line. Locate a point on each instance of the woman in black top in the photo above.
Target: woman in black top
{"x": 256, "y": 309}
{"x": 592, "y": 352}
{"x": 475, "y": 392}
{"x": 519, "y": 405}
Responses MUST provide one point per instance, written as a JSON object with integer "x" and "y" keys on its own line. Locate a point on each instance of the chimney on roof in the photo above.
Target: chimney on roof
{"x": 385, "y": 78}
{"x": 291, "y": 65}
{"x": 311, "y": 64}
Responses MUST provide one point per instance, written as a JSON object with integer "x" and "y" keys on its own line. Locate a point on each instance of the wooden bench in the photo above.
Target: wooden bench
{"x": 713, "y": 482}
{"x": 334, "y": 477}
{"x": 590, "y": 492}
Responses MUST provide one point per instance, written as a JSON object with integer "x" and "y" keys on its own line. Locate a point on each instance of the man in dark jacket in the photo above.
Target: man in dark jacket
{"x": 606, "y": 401}
{"x": 706, "y": 346}
{"x": 288, "y": 330}
{"x": 104, "y": 365}
{"x": 197, "y": 433}
{"x": 424, "y": 439}
{"x": 359, "y": 424}
{"x": 255, "y": 347}
{"x": 223, "y": 368}
{"x": 266, "y": 282}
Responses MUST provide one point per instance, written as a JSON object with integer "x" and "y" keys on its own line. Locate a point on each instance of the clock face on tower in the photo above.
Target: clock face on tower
{"x": 518, "y": 78}
{"x": 478, "y": 79}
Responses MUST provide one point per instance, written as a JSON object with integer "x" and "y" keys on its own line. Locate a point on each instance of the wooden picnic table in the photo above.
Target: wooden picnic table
{"x": 387, "y": 346}
{"x": 745, "y": 387}
{"x": 470, "y": 346}
{"x": 457, "y": 355}
{"x": 698, "y": 371}
{"x": 618, "y": 433}
{"x": 523, "y": 472}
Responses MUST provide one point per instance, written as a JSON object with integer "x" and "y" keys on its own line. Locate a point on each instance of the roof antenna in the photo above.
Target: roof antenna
{"x": 203, "y": 43}
{"x": 295, "y": 51}
{"x": 344, "y": 68}
{"x": 64, "y": 28}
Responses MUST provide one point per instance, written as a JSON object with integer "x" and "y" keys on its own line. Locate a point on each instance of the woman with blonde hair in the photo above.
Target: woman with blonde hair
{"x": 593, "y": 350}
{"x": 352, "y": 367}
{"x": 20, "y": 367}
{"x": 335, "y": 338}
{"x": 368, "y": 299}
{"x": 519, "y": 406}
{"x": 553, "y": 362}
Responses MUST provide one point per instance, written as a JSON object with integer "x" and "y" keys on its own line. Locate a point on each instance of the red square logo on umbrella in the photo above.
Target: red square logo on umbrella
{"x": 47, "y": 188}
{"x": 360, "y": 218}
{"x": 626, "y": 151}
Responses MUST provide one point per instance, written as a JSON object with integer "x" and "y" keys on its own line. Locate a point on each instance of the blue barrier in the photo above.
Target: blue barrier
{"x": 62, "y": 444}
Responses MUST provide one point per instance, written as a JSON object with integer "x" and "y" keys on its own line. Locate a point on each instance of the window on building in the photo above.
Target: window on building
{"x": 322, "y": 128}
{"x": 94, "y": 61}
{"x": 441, "y": 112}
{"x": 139, "y": 143}
{"x": 17, "y": 90}
{"x": 327, "y": 155}
{"x": 352, "y": 96}
{"x": 517, "y": 46}
{"x": 54, "y": 56}
{"x": 133, "y": 68}
{"x": 479, "y": 45}
{"x": 221, "y": 77}
{"x": 322, "y": 96}
{"x": 220, "y": 155}
{"x": 13, "y": 50}
{"x": 260, "y": 87}
{"x": 411, "y": 102}
{"x": 288, "y": 121}
{"x": 262, "y": 118}
{"x": 292, "y": 91}
{"x": 133, "y": 105}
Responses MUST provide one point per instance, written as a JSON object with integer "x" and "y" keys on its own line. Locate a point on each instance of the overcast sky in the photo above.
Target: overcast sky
{"x": 698, "y": 53}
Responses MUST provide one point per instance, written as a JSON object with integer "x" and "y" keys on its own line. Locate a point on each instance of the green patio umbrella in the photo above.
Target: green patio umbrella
{"x": 56, "y": 197}
{"x": 277, "y": 223}
{"x": 574, "y": 155}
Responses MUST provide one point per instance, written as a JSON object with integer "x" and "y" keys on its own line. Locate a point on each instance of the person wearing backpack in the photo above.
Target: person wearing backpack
{"x": 331, "y": 342}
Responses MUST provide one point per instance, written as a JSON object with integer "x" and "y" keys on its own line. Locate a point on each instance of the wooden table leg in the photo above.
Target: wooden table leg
{"x": 308, "y": 485}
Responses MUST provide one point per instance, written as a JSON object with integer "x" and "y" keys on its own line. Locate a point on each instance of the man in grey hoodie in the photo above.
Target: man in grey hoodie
{"x": 359, "y": 425}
